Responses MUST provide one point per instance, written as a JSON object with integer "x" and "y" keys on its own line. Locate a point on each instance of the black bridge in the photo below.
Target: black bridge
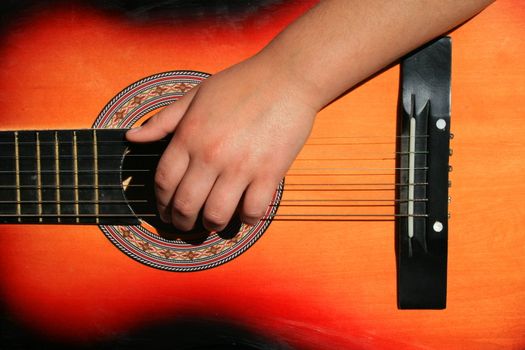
{"x": 422, "y": 225}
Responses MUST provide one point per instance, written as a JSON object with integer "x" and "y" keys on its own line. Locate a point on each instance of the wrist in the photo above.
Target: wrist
{"x": 286, "y": 77}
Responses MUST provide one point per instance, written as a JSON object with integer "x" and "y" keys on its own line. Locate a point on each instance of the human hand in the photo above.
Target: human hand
{"x": 234, "y": 138}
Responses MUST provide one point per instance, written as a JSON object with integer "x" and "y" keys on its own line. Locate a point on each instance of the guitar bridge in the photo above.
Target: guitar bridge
{"x": 423, "y": 163}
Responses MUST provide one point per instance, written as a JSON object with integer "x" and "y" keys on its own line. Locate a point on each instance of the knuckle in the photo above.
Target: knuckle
{"x": 183, "y": 207}
{"x": 162, "y": 182}
{"x": 242, "y": 167}
{"x": 183, "y": 135}
{"x": 216, "y": 219}
{"x": 189, "y": 127}
{"x": 211, "y": 154}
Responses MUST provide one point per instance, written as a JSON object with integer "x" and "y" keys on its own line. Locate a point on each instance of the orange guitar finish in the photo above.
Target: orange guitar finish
{"x": 307, "y": 285}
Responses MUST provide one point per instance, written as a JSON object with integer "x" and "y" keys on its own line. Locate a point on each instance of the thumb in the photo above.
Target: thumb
{"x": 162, "y": 123}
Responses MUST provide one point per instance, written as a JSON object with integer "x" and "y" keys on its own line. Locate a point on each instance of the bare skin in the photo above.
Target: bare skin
{"x": 235, "y": 135}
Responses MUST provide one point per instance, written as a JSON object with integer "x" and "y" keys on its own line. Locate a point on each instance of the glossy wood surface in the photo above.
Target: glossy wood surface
{"x": 307, "y": 285}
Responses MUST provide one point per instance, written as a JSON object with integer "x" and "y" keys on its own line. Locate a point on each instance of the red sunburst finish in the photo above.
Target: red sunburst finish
{"x": 310, "y": 285}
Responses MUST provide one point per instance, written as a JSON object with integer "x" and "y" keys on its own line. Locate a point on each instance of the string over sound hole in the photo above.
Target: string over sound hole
{"x": 138, "y": 172}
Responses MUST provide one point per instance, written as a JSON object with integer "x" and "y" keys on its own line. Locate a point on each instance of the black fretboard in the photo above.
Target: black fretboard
{"x": 63, "y": 176}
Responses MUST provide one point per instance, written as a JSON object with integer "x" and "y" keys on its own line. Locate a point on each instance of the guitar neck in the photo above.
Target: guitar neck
{"x": 63, "y": 176}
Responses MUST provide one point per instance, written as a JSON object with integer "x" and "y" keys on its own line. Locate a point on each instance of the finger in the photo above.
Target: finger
{"x": 162, "y": 123}
{"x": 170, "y": 171}
{"x": 222, "y": 202}
{"x": 190, "y": 195}
{"x": 257, "y": 198}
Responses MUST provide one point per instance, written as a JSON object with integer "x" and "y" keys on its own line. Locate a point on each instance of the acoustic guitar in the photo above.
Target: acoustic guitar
{"x": 85, "y": 262}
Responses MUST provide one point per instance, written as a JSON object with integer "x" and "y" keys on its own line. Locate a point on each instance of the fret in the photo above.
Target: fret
{"x": 17, "y": 170}
{"x": 85, "y": 176}
{"x": 95, "y": 171}
{"x": 66, "y": 176}
{"x": 107, "y": 144}
{"x": 57, "y": 175}
{"x": 48, "y": 178}
{"x": 75, "y": 174}
{"x": 8, "y": 191}
{"x": 104, "y": 147}
{"x": 27, "y": 175}
{"x": 38, "y": 177}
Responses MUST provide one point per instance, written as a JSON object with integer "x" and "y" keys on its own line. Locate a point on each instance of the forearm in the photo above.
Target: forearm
{"x": 257, "y": 115}
{"x": 339, "y": 43}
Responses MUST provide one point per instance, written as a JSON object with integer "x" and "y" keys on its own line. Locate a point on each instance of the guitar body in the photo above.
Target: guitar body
{"x": 304, "y": 284}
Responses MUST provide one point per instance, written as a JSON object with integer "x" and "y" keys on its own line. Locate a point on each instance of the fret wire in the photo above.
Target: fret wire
{"x": 95, "y": 167}
{"x": 17, "y": 171}
{"x": 75, "y": 175}
{"x": 57, "y": 175}
{"x": 38, "y": 176}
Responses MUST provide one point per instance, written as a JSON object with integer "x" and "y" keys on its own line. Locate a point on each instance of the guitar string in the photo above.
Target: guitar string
{"x": 302, "y": 201}
{"x": 153, "y": 155}
{"x": 358, "y": 184}
{"x": 361, "y": 137}
{"x": 289, "y": 190}
{"x": 286, "y": 203}
{"x": 327, "y": 202}
{"x": 329, "y": 220}
{"x": 26, "y": 201}
{"x": 291, "y": 170}
{"x": 31, "y": 143}
{"x": 395, "y": 200}
{"x": 146, "y": 201}
{"x": 295, "y": 213}
{"x": 101, "y": 171}
{"x": 145, "y": 215}
{"x": 89, "y": 186}
{"x": 167, "y": 141}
